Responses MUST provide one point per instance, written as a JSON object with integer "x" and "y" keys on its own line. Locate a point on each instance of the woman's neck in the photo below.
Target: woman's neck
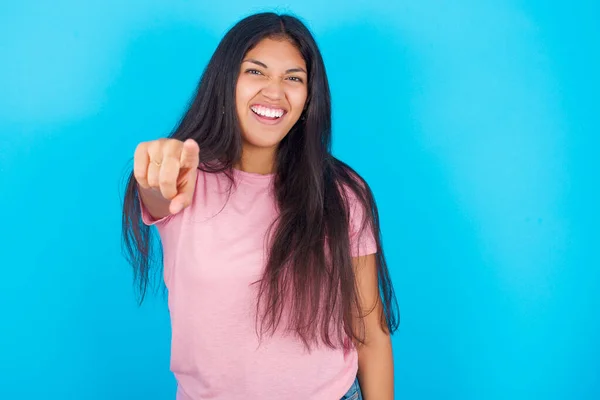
{"x": 257, "y": 160}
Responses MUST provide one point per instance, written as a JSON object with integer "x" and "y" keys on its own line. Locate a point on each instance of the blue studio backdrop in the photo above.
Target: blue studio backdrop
{"x": 475, "y": 122}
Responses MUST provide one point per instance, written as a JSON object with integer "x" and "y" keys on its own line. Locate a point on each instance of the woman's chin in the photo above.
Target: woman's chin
{"x": 265, "y": 140}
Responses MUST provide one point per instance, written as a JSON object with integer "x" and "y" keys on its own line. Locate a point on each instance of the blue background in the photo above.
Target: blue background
{"x": 475, "y": 122}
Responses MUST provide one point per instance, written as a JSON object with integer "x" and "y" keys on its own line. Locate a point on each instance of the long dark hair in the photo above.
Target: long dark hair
{"x": 310, "y": 251}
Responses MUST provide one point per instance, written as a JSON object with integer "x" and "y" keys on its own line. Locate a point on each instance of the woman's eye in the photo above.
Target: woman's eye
{"x": 254, "y": 72}
{"x": 295, "y": 79}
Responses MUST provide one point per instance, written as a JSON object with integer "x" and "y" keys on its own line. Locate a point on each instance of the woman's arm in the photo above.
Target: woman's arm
{"x": 375, "y": 360}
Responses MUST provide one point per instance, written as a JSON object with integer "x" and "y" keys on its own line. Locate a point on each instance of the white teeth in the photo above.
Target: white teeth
{"x": 267, "y": 112}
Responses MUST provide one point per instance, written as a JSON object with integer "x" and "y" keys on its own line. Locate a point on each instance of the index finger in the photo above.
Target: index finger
{"x": 190, "y": 154}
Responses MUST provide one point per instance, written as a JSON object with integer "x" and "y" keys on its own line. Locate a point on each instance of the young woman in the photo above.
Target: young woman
{"x": 278, "y": 285}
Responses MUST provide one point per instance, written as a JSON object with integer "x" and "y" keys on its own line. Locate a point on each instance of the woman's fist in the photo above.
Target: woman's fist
{"x": 168, "y": 167}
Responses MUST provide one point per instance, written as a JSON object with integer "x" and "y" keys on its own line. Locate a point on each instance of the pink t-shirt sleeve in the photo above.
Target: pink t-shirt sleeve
{"x": 362, "y": 239}
{"x": 169, "y": 229}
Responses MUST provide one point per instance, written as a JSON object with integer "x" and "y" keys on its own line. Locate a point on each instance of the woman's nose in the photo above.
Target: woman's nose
{"x": 273, "y": 90}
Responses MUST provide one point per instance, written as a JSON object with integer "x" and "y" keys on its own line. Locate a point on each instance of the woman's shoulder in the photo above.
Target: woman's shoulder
{"x": 352, "y": 185}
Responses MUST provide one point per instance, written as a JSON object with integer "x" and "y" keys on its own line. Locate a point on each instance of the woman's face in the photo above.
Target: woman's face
{"x": 271, "y": 92}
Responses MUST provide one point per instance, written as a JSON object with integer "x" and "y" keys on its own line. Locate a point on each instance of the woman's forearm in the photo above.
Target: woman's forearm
{"x": 376, "y": 369}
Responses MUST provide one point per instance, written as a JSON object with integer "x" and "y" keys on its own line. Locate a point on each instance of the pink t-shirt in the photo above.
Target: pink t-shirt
{"x": 213, "y": 251}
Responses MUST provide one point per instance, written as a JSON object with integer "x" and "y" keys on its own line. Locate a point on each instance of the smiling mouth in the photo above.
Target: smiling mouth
{"x": 268, "y": 114}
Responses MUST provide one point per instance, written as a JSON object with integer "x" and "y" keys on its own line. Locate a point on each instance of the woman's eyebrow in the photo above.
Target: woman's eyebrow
{"x": 262, "y": 64}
